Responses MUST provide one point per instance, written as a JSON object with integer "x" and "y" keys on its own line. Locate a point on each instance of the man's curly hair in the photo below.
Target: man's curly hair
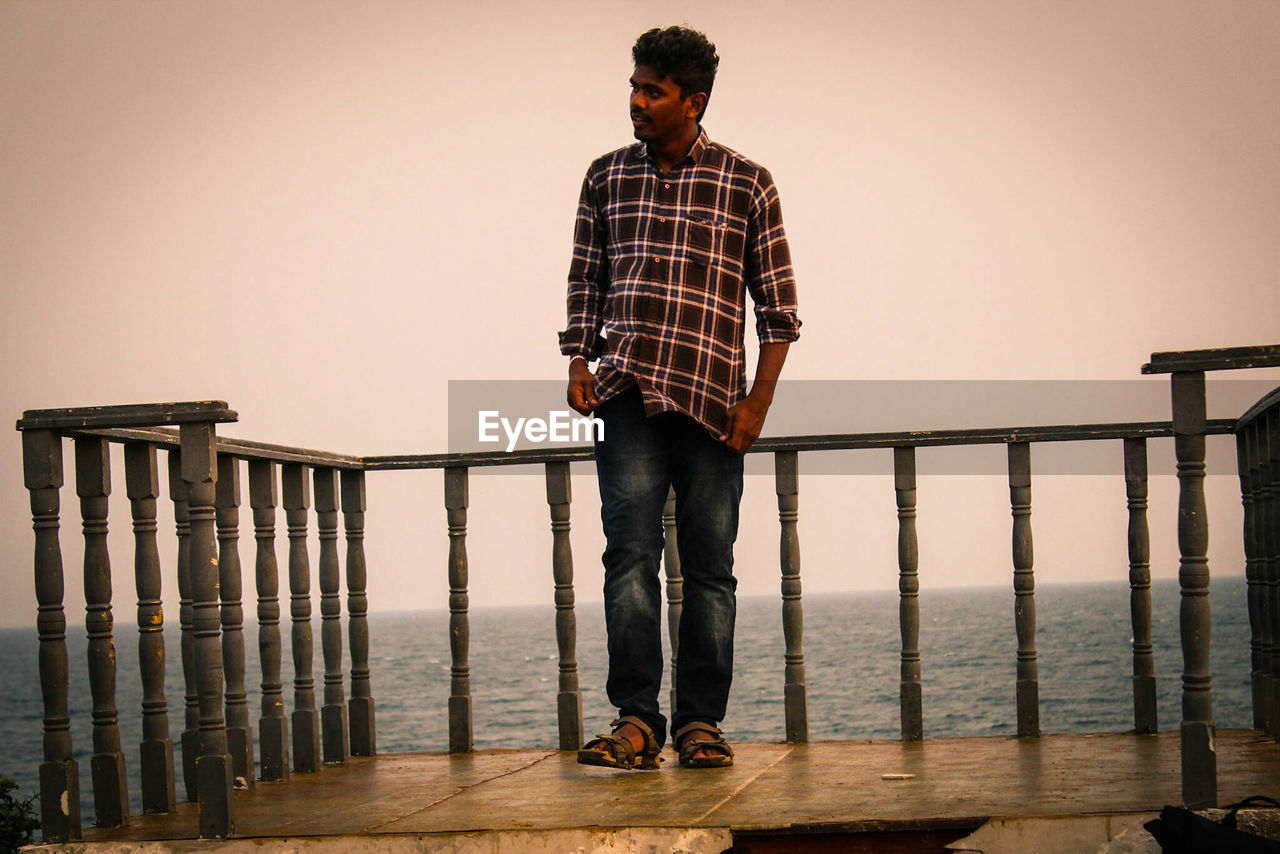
{"x": 684, "y": 55}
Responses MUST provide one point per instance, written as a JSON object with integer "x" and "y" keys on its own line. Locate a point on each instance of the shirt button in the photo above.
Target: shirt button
{"x": 662, "y": 219}
{"x": 668, "y": 186}
{"x": 657, "y": 260}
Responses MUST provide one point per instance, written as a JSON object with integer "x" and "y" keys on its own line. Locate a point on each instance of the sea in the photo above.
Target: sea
{"x": 852, "y": 649}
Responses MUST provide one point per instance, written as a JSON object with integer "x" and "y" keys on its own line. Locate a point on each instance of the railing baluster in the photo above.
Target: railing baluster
{"x": 904, "y": 476}
{"x": 675, "y": 584}
{"x": 569, "y": 698}
{"x": 305, "y": 719}
{"x": 1144, "y": 667}
{"x": 1269, "y": 493}
{"x": 360, "y": 706}
{"x": 1257, "y": 498}
{"x": 1024, "y": 588}
{"x": 1199, "y": 761}
{"x": 110, "y": 784}
{"x": 59, "y": 773}
{"x": 455, "y": 503}
{"x": 213, "y": 768}
{"x": 239, "y": 732}
{"x": 142, "y": 483}
{"x": 273, "y": 726}
{"x": 1259, "y": 643}
{"x": 795, "y": 703}
{"x": 186, "y": 616}
{"x": 333, "y": 714}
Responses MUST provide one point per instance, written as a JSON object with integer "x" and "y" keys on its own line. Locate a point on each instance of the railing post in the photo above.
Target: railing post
{"x": 213, "y": 768}
{"x": 59, "y": 773}
{"x": 305, "y": 723}
{"x": 360, "y": 707}
{"x": 1247, "y": 462}
{"x": 795, "y": 703}
{"x": 569, "y": 698}
{"x": 1144, "y": 667}
{"x": 455, "y": 503}
{"x": 1024, "y": 587}
{"x": 273, "y": 726}
{"x": 1199, "y": 761}
{"x": 186, "y": 616}
{"x": 231, "y": 588}
{"x": 110, "y": 784}
{"x": 904, "y": 476}
{"x": 142, "y": 483}
{"x": 333, "y": 714}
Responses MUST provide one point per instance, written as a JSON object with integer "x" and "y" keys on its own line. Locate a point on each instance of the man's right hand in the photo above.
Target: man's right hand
{"x": 582, "y": 387}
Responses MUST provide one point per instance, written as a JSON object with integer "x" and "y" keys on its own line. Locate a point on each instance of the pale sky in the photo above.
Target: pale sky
{"x": 322, "y": 212}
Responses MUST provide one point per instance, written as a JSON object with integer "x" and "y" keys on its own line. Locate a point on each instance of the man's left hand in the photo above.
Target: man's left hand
{"x": 746, "y": 420}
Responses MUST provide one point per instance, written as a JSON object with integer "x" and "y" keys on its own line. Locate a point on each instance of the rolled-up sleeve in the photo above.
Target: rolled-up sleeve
{"x": 588, "y": 280}
{"x": 770, "y": 279}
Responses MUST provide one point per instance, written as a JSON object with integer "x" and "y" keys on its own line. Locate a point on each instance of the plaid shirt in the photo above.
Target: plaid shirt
{"x": 661, "y": 264}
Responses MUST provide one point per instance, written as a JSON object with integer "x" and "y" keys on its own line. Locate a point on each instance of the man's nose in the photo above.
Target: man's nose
{"x": 638, "y": 101}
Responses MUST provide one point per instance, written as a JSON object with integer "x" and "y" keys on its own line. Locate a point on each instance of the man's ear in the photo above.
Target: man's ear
{"x": 695, "y": 104}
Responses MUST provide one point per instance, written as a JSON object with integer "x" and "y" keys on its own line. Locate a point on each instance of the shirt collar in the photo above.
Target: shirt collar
{"x": 694, "y": 156}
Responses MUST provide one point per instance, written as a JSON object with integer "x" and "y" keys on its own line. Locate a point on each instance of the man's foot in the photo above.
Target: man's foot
{"x": 701, "y": 745}
{"x": 632, "y": 744}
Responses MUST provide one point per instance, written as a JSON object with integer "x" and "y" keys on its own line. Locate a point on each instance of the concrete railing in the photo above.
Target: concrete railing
{"x": 217, "y": 739}
{"x": 218, "y": 742}
{"x": 1258, "y": 454}
{"x": 1187, "y": 371}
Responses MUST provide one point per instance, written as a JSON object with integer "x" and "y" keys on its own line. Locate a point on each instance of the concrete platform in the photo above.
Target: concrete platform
{"x": 777, "y": 797}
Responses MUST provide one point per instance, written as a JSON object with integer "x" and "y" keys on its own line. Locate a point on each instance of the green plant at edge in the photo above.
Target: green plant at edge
{"x": 17, "y": 818}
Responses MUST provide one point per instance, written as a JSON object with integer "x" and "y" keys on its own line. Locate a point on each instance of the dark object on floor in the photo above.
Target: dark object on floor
{"x": 1180, "y": 831}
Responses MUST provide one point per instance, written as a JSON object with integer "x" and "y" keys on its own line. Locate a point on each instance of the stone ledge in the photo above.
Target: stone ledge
{"x": 631, "y": 840}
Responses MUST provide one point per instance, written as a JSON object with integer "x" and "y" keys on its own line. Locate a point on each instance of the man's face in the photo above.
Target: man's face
{"x": 658, "y": 113}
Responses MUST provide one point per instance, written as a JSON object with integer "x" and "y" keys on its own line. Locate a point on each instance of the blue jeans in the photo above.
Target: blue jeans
{"x": 638, "y": 459}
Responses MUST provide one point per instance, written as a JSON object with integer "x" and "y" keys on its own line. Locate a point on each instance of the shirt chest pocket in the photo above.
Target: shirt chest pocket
{"x": 703, "y": 240}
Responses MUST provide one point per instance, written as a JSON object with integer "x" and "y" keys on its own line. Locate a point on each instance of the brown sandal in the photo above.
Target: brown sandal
{"x": 616, "y": 751}
{"x": 721, "y": 755}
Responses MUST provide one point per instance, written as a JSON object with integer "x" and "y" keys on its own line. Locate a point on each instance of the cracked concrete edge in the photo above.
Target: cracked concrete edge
{"x": 1079, "y": 834}
{"x": 1122, "y": 833}
{"x": 624, "y": 840}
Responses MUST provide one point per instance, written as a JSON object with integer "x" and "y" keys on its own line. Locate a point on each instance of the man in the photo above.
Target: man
{"x": 671, "y": 234}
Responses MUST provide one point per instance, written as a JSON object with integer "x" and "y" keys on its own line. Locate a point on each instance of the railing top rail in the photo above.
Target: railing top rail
{"x": 71, "y": 422}
{"x": 985, "y": 436}
{"x": 1267, "y": 403}
{"x": 1220, "y": 359}
{"x": 242, "y": 448}
{"x": 127, "y": 415}
{"x": 831, "y": 442}
{"x": 571, "y": 454}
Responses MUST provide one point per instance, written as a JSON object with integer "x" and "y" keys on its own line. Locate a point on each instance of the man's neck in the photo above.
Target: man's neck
{"x": 668, "y": 155}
